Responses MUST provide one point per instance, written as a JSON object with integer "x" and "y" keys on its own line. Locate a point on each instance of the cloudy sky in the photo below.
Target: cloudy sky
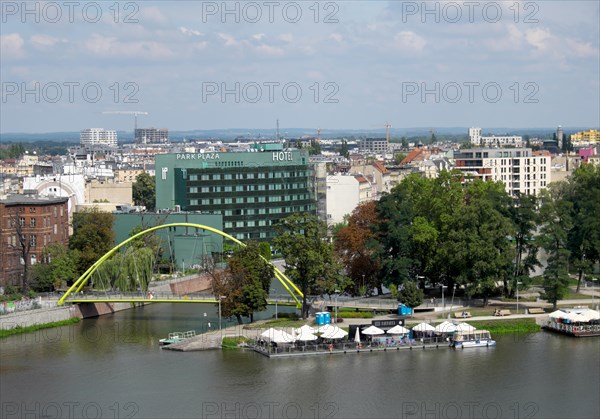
{"x": 342, "y": 64}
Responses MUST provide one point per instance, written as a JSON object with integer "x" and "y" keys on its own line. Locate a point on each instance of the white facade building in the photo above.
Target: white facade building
{"x": 344, "y": 193}
{"x": 98, "y": 136}
{"x": 519, "y": 169}
{"x": 495, "y": 140}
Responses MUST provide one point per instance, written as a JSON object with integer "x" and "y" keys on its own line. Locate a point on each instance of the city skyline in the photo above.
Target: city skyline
{"x": 333, "y": 65}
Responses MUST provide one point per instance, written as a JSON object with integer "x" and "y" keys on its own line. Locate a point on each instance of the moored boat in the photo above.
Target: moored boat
{"x": 473, "y": 339}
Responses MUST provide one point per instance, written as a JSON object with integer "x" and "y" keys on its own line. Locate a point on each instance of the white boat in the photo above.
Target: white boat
{"x": 175, "y": 337}
{"x": 473, "y": 339}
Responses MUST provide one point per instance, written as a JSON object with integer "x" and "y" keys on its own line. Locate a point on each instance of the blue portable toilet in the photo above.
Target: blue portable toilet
{"x": 404, "y": 310}
{"x": 326, "y": 317}
{"x": 319, "y": 320}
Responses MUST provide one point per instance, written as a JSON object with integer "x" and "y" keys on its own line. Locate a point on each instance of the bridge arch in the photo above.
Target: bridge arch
{"x": 289, "y": 286}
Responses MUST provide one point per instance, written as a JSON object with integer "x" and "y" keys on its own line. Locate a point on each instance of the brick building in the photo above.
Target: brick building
{"x": 33, "y": 223}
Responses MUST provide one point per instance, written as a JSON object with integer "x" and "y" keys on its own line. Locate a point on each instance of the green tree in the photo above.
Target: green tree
{"x": 344, "y": 149}
{"x": 410, "y": 295}
{"x": 315, "y": 148}
{"x": 144, "y": 191}
{"x": 93, "y": 236}
{"x": 265, "y": 250}
{"x": 244, "y": 283}
{"x": 58, "y": 268}
{"x": 556, "y": 214}
{"x": 398, "y": 157}
{"x": 309, "y": 257}
{"x": 524, "y": 215}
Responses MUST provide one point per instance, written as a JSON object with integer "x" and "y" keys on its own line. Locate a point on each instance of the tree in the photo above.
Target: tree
{"x": 93, "y": 236}
{"x": 265, "y": 250}
{"x": 144, "y": 191}
{"x": 351, "y": 245}
{"x": 244, "y": 283}
{"x": 58, "y": 268}
{"x": 583, "y": 239}
{"x": 410, "y": 295}
{"x": 315, "y": 148}
{"x": 524, "y": 215}
{"x": 398, "y": 157}
{"x": 309, "y": 257}
{"x": 555, "y": 212}
{"x": 24, "y": 242}
{"x": 344, "y": 149}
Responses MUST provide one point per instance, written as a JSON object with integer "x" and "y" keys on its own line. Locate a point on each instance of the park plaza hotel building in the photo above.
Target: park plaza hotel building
{"x": 252, "y": 190}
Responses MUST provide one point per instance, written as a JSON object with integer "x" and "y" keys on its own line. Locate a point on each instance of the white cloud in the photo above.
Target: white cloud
{"x": 336, "y": 37}
{"x": 581, "y": 49}
{"x": 45, "y": 40}
{"x": 151, "y": 15}
{"x": 269, "y": 50}
{"x": 11, "y": 46}
{"x": 229, "y": 40}
{"x": 258, "y": 36}
{"x": 190, "y": 32}
{"x": 408, "y": 40}
{"x": 287, "y": 37}
{"x": 111, "y": 47}
{"x": 539, "y": 38}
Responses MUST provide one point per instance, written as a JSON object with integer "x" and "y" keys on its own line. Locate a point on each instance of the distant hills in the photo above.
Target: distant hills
{"x": 269, "y": 133}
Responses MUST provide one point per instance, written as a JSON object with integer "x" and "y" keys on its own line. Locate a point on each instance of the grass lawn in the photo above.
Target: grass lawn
{"x": 277, "y": 323}
{"x": 507, "y": 325}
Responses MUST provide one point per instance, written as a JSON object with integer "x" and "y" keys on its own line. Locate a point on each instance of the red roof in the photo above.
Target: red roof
{"x": 379, "y": 166}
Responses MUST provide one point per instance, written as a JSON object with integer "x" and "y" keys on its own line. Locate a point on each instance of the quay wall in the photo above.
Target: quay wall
{"x": 39, "y": 316}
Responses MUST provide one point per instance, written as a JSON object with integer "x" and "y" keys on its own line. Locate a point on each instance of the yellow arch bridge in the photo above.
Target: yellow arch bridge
{"x": 74, "y": 295}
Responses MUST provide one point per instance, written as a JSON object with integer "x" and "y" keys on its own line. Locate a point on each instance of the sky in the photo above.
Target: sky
{"x": 322, "y": 64}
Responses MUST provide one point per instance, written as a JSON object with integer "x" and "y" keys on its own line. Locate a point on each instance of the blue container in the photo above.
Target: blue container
{"x": 404, "y": 310}
{"x": 326, "y": 317}
{"x": 319, "y": 320}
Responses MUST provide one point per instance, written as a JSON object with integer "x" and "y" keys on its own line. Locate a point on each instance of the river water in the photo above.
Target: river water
{"x": 113, "y": 367}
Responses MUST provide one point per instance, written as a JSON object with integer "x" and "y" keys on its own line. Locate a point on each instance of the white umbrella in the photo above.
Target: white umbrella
{"x": 591, "y": 314}
{"x": 445, "y": 327}
{"x": 334, "y": 333}
{"x": 306, "y": 328}
{"x": 372, "y": 330}
{"x": 423, "y": 327}
{"x": 306, "y": 336}
{"x": 326, "y": 328}
{"x": 464, "y": 327}
{"x": 357, "y": 336}
{"x": 398, "y": 330}
{"x": 277, "y": 336}
{"x": 558, "y": 314}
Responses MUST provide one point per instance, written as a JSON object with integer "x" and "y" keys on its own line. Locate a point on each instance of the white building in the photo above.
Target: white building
{"x": 344, "y": 193}
{"x": 98, "y": 136}
{"x": 494, "y": 141}
{"x": 519, "y": 169}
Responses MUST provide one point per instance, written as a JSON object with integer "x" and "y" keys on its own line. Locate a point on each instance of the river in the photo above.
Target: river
{"x": 113, "y": 367}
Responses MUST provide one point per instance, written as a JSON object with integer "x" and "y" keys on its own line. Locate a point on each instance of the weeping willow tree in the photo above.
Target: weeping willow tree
{"x": 128, "y": 271}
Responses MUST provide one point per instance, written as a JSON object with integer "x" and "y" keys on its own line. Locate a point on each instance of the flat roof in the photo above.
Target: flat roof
{"x": 16, "y": 199}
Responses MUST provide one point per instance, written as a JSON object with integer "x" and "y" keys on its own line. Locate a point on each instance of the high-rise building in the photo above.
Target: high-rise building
{"x": 151, "y": 135}
{"x": 475, "y": 136}
{"x": 98, "y": 136}
{"x": 252, "y": 190}
{"x": 521, "y": 170}
{"x": 375, "y": 145}
{"x": 27, "y": 226}
{"x": 560, "y": 136}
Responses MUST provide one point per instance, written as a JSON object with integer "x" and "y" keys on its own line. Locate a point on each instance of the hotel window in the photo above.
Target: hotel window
{"x": 228, "y": 224}
{"x": 193, "y": 202}
{"x": 193, "y": 189}
{"x": 250, "y": 212}
{"x": 193, "y": 177}
{"x": 262, "y": 223}
{"x": 205, "y": 189}
{"x": 261, "y": 176}
{"x": 239, "y": 200}
{"x": 228, "y": 212}
{"x": 239, "y": 224}
{"x": 204, "y": 177}
{"x": 216, "y": 201}
{"x": 250, "y": 176}
{"x": 250, "y": 223}
{"x": 206, "y": 202}
{"x": 216, "y": 177}
{"x": 227, "y": 189}
{"x": 228, "y": 200}
{"x": 251, "y": 200}
{"x": 239, "y": 188}
{"x": 227, "y": 176}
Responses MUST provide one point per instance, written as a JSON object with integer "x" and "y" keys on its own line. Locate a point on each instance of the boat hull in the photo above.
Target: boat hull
{"x": 475, "y": 344}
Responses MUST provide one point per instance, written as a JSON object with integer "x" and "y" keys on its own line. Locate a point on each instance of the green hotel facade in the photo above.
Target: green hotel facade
{"x": 251, "y": 190}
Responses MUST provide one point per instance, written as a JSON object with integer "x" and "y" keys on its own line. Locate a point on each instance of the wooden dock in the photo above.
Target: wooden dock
{"x": 286, "y": 352}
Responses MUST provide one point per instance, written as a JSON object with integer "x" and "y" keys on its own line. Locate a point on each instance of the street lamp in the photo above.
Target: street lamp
{"x": 518, "y": 283}
{"x": 443, "y": 302}
{"x": 593, "y": 290}
{"x": 337, "y": 292}
{"x": 221, "y": 297}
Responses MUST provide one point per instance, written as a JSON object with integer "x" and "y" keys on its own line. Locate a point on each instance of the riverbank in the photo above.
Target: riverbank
{"x": 28, "y": 329}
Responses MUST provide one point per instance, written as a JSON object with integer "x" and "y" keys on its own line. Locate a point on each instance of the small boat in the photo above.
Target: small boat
{"x": 472, "y": 339}
{"x": 176, "y": 337}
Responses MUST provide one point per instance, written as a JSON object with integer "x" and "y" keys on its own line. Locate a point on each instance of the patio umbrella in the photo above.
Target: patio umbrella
{"x": 334, "y": 333}
{"x": 591, "y": 314}
{"x": 464, "y": 327}
{"x": 372, "y": 330}
{"x": 326, "y": 328}
{"x": 357, "y": 336}
{"x": 306, "y": 328}
{"x": 398, "y": 330}
{"x": 306, "y": 336}
{"x": 423, "y": 327}
{"x": 445, "y": 327}
{"x": 277, "y": 336}
{"x": 558, "y": 314}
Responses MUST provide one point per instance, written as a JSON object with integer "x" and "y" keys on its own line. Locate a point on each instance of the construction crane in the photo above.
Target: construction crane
{"x": 134, "y": 113}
